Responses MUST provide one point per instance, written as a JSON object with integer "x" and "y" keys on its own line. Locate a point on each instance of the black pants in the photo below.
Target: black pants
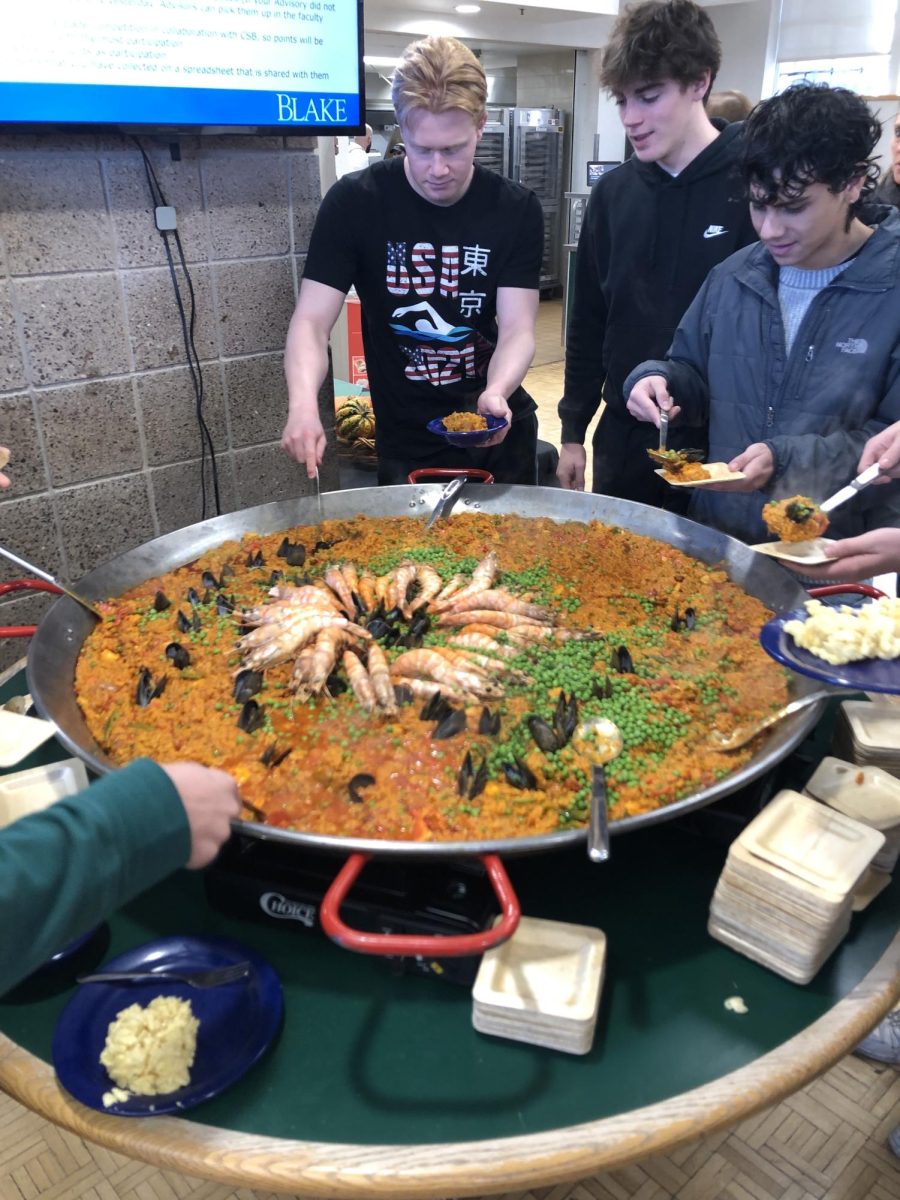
{"x": 513, "y": 461}
{"x": 623, "y": 468}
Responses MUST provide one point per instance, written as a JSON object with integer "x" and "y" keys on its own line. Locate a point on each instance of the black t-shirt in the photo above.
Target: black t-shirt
{"x": 427, "y": 279}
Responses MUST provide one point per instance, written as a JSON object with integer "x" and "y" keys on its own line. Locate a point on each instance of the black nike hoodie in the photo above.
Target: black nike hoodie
{"x": 648, "y": 240}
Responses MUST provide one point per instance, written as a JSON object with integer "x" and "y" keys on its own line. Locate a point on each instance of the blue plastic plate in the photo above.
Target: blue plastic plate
{"x": 238, "y": 1022}
{"x": 868, "y": 675}
{"x": 475, "y": 437}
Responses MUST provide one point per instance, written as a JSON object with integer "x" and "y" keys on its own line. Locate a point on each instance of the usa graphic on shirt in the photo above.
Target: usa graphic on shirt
{"x": 439, "y": 349}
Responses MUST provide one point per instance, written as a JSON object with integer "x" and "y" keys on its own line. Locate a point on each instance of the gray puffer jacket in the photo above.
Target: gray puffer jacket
{"x": 814, "y": 408}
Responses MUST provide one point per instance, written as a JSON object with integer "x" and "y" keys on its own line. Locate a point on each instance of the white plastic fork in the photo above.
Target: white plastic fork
{"x": 212, "y": 977}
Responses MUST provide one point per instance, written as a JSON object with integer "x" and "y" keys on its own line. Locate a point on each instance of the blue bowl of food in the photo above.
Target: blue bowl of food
{"x": 466, "y": 428}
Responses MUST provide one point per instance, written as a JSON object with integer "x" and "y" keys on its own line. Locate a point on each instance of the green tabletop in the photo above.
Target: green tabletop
{"x": 370, "y": 1056}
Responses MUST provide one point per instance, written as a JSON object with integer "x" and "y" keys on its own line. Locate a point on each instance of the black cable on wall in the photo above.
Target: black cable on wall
{"x": 187, "y": 319}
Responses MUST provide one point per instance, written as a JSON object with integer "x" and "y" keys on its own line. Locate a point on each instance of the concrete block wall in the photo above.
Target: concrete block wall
{"x": 96, "y": 401}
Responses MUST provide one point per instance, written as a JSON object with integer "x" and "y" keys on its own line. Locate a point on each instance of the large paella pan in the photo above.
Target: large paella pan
{"x": 55, "y": 649}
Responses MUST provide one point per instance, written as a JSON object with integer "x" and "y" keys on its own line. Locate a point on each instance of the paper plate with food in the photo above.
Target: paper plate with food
{"x": 685, "y": 468}
{"x": 150, "y": 1047}
{"x": 466, "y": 428}
{"x": 855, "y": 648}
{"x": 798, "y": 523}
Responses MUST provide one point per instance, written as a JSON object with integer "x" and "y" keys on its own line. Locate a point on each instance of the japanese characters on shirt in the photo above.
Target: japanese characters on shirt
{"x": 440, "y": 347}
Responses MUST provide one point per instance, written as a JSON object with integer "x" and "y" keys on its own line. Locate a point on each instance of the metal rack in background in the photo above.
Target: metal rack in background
{"x": 536, "y": 160}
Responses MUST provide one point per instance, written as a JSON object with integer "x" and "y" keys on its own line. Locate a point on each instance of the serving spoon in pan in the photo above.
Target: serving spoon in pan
{"x": 32, "y": 569}
{"x": 746, "y": 733}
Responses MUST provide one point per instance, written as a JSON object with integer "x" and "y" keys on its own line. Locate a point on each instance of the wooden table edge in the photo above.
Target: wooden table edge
{"x": 435, "y": 1170}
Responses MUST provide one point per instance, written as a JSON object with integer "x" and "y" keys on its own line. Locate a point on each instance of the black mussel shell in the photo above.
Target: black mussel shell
{"x": 335, "y": 685}
{"x": 196, "y": 623}
{"x": 272, "y": 756}
{"x": 379, "y": 628}
{"x": 410, "y": 640}
{"x": 451, "y": 725}
{"x": 276, "y": 577}
{"x": 193, "y": 596}
{"x": 146, "y": 689}
{"x": 393, "y": 616}
{"x": 161, "y": 602}
{"x": 436, "y": 707}
{"x": 622, "y": 661}
{"x": 690, "y": 618}
{"x": 178, "y": 655}
{"x": 252, "y": 717}
{"x": 356, "y": 783}
{"x": 565, "y": 717}
{"x": 471, "y": 782}
{"x": 544, "y": 735}
{"x": 678, "y": 622}
{"x": 182, "y": 622}
{"x": 403, "y": 693}
{"x": 209, "y": 581}
{"x": 295, "y": 554}
{"x": 246, "y": 684}
{"x": 224, "y": 604}
{"x": 420, "y": 624}
{"x": 326, "y": 545}
{"x": 227, "y": 572}
{"x": 301, "y": 580}
{"x": 602, "y": 691}
{"x": 255, "y": 560}
{"x": 489, "y": 722}
{"x": 359, "y": 603}
{"x": 519, "y": 774}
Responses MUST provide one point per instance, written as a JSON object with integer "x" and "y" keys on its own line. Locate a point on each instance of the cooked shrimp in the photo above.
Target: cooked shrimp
{"x": 488, "y": 616}
{"x": 366, "y": 590}
{"x": 284, "y": 642}
{"x": 401, "y": 579}
{"x": 483, "y": 642}
{"x": 450, "y": 588}
{"x": 502, "y": 601}
{"x": 321, "y": 661}
{"x": 430, "y": 584}
{"x": 482, "y": 577}
{"x": 358, "y": 678}
{"x": 380, "y": 676}
{"x": 334, "y": 577}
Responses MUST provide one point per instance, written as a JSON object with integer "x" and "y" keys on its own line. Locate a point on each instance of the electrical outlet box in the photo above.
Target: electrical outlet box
{"x": 165, "y": 217}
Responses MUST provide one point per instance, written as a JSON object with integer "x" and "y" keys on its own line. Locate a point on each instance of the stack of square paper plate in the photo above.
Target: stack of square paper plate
{"x": 785, "y": 896}
{"x": 867, "y": 794}
{"x": 542, "y": 986}
{"x": 868, "y": 733}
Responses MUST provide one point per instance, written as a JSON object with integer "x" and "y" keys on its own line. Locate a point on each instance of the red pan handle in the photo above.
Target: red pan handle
{"x": 414, "y": 944}
{"x": 25, "y": 585}
{"x": 835, "y": 589}
{"x": 440, "y": 474}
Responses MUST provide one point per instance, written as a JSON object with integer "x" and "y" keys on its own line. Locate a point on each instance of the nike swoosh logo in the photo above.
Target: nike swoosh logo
{"x": 711, "y": 233}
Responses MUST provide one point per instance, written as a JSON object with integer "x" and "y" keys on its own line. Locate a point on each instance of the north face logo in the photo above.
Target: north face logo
{"x": 853, "y": 346}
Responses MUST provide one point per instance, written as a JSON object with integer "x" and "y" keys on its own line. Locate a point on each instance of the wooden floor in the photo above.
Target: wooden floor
{"x": 827, "y": 1142}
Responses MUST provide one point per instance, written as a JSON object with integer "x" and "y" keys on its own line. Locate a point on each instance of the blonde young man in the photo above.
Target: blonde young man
{"x": 445, "y": 257}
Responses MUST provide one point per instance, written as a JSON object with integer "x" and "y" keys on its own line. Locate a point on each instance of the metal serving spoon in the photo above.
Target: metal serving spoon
{"x": 603, "y": 739}
{"x": 32, "y": 569}
{"x": 745, "y": 733}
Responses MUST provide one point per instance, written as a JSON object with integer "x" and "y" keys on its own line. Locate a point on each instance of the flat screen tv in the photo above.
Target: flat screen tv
{"x": 212, "y": 66}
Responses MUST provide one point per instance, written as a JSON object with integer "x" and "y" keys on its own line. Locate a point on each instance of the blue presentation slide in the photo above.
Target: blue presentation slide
{"x": 182, "y": 62}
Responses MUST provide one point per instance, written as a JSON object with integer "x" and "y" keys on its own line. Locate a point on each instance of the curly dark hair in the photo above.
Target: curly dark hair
{"x": 810, "y": 133}
{"x": 658, "y": 40}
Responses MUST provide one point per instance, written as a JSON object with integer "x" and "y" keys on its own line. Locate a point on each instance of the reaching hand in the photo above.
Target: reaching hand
{"x": 304, "y": 440}
{"x": 572, "y": 463}
{"x": 860, "y": 557}
{"x": 211, "y": 802}
{"x": 648, "y": 396}
{"x": 757, "y": 465}
{"x": 492, "y": 404}
{"x": 883, "y": 448}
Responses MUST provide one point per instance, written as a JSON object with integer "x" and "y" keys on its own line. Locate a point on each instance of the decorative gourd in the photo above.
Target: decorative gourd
{"x": 354, "y": 419}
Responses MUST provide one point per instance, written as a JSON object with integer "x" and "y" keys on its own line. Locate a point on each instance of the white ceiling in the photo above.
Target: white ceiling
{"x": 504, "y": 29}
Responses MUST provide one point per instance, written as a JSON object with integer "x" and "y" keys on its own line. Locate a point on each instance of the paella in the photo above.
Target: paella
{"x": 368, "y": 677}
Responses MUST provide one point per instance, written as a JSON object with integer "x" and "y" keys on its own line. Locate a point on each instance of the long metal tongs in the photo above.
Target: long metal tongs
{"x": 33, "y": 570}
{"x": 447, "y": 494}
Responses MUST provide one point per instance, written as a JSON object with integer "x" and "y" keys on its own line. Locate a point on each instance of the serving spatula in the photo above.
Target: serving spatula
{"x": 48, "y": 578}
{"x": 855, "y": 485}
